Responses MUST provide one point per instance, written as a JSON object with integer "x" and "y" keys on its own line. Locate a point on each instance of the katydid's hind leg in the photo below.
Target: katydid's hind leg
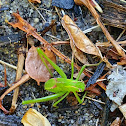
{"x": 55, "y": 104}
{"x": 77, "y": 97}
{"x": 44, "y": 99}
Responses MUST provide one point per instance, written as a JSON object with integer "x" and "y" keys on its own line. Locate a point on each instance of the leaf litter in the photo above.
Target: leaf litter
{"x": 78, "y": 47}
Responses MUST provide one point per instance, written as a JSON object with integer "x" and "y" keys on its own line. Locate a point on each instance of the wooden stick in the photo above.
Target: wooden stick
{"x": 22, "y": 80}
{"x": 18, "y": 76}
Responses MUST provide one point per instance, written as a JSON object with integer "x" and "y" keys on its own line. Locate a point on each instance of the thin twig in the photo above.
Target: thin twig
{"x": 95, "y": 100}
{"x": 36, "y": 102}
{"x": 121, "y": 34}
{"x": 45, "y": 10}
{"x": 10, "y": 65}
{"x": 107, "y": 44}
{"x": 90, "y": 29}
{"x": 53, "y": 37}
{"x": 97, "y": 122}
{"x": 21, "y": 81}
{"x": 105, "y": 31}
{"x": 5, "y": 76}
{"x": 38, "y": 12}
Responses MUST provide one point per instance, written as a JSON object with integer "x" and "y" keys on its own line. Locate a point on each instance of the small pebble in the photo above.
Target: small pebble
{"x": 32, "y": 105}
{"x": 59, "y": 120}
{"x": 72, "y": 121}
{"x": 11, "y": 11}
{"x": 36, "y": 20}
{"x": 76, "y": 112}
{"x": 39, "y": 106}
{"x": 25, "y": 106}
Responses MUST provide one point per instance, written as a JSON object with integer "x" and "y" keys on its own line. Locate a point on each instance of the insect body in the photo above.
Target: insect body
{"x": 61, "y": 86}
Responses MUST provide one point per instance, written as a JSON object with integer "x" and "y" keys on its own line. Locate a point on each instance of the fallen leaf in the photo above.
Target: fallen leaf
{"x": 34, "y": 1}
{"x": 36, "y": 68}
{"x": 26, "y": 27}
{"x": 34, "y": 118}
{"x": 116, "y": 122}
{"x": 22, "y": 24}
{"x": 123, "y": 109}
{"x": 78, "y": 40}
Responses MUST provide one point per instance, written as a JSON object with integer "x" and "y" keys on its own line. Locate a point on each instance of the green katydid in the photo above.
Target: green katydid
{"x": 61, "y": 86}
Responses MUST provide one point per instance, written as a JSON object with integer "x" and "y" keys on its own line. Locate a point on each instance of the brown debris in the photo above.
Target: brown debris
{"x": 105, "y": 31}
{"x": 19, "y": 71}
{"x": 36, "y": 68}
{"x": 34, "y": 1}
{"x": 116, "y": 122}
{"x": 26, "y": 27}
{"x": 78, "y": 40}
{"x": 17, "y": 84}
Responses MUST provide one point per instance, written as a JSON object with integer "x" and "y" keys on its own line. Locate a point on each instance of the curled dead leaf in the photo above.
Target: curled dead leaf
{"x": 34, "y": 118}
{"x": 78, "y": 40}
{"x": 77, "y": 37}
{"x": 35, "y": 67}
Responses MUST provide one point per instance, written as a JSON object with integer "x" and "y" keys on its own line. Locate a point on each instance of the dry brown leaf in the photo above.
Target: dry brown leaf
{"x": 78, "y": 40}
{"x": 34, "y": 1}
{"x": 79, "y": 55}
{"x": 35, "y": 67}
{"x": 77, "y": 37}
{"x": 34, "y": 118}
{"x": 123, "y": 109}
{"x": 116, "y": 122}
{"x": 26, "y": 27}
